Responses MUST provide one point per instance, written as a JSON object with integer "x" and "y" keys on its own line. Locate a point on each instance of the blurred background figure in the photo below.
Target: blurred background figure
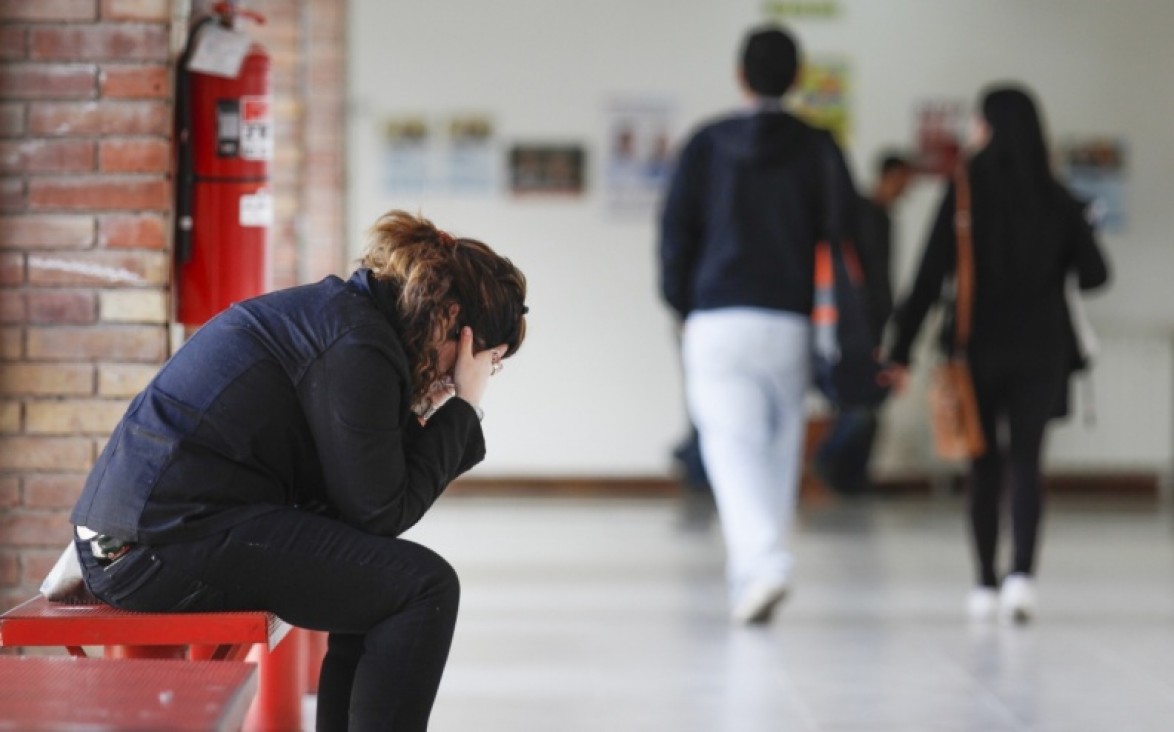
{"x": 1029, "y": 234}
{"x": 738, "y": 231}
{"x": 842, "y": 460}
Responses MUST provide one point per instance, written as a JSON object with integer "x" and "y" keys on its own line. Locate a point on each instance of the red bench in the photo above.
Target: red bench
{"x": 191, "y": 636}
{"x": 51, "y": 694}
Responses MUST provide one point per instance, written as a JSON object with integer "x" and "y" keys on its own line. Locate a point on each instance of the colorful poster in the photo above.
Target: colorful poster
{"x": 471, "y": 157}
{"x": 537, "y": 169}
{"x": 1094, "y": 168}
{"x": 820, "y": 97}
{"x": 638, "y": 157}
{"x": 940, "y": 131}
{"x": 406, "y": 156}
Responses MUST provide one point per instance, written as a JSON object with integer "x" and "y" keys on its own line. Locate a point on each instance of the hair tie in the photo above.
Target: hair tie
{"x": 446, "y": 238}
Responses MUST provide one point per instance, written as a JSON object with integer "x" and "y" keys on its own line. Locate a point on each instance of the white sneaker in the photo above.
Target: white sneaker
{"x": 757, "y": 603}
{"x": 982, "y": 604}
{"x": 1017, "y": 598}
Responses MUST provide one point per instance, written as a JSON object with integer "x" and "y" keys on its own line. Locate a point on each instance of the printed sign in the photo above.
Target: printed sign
{"x": 256, "y": 123}
{"x": 256, "y": 209}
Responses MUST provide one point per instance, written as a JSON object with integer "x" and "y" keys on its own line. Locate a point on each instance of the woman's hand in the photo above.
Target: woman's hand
{"x": 896, "y": 375}
{"x": 472, "y": 371}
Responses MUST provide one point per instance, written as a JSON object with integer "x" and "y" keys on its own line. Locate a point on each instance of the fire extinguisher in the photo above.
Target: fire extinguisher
{"x": 224, "y": 145}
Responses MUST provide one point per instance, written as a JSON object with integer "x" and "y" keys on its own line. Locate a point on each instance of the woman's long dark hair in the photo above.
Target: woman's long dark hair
{"x": 1015, "y": 190}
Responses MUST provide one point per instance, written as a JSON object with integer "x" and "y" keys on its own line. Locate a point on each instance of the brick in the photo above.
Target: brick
{"x": 12, "y": 307}
{"x": 12, "y": 194}
{"x": 11, "y": 343}
{"x": 141, "y": 81}
{"x": 48, "y": 81}
{"x": 59, "y": 119}
{"x": 61, "y": 307}
{"x": 9, "y": 568}
{"x": 108, "y": 268}
{"x": 45, "y": 453}
{"x": 132, "y": 231}
{"x": 10, "y": 417}
{"x": 9, "y": 491}
{"x": 134, "y": 156}
{"x": 48, "y": 10}
{"x": 37, "y": 563}
{"x": 47, "y": 231}
{"x": 72, "y": 416}
{"x": 46, "y": 379}
{"x": 35, "y": 528}
{"x": 52, "y": 490}
{"x": 158, "y": 10}
{"x": 90, "y": 193}
{"x": 133, "y": 306}
{"x": 125, "y": 343}
{"x": 11, "y": 269}
{"x": 11, "y": 119}
{"x": 13, "y": 43}
{"x": 117, "y": 41}
{"x": 124, "y": 379}
{"x": 46, "y": 156}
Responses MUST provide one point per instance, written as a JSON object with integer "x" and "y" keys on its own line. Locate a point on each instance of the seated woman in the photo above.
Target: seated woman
{"x": 275, "y": 459}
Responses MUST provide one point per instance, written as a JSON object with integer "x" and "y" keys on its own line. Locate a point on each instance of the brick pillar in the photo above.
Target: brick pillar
{"x": 85, "y": 121}
{"x": 85, "y": 205}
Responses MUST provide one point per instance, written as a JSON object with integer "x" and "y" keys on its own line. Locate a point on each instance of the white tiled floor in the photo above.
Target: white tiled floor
{"x": 601, "y": 615}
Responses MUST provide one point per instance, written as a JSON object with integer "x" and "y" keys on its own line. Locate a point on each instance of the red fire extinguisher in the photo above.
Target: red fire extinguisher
{"x": 224, "y": 145}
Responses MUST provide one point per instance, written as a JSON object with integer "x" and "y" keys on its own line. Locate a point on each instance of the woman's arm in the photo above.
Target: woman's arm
{"x": 936, "y": 262}
{"x": 382, "y": 470}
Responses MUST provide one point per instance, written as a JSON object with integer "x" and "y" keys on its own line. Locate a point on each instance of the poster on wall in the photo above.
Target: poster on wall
{"x": 470, "y": 157}
{"x": 407, "y": 154}
{"x": 638, "y": 154}
{"x": 1094, "y": 168}
{"x": 820, "y": 96}
{"x": 940, "y": 129}
{"x": 539, "y": 169}
{"x": 800, "y": 9}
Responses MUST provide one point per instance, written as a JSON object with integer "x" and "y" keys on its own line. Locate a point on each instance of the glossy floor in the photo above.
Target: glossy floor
{"x": 604, "y": 615}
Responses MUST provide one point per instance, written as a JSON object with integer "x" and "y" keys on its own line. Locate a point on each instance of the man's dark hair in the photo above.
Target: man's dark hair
{"x": 770, "y": 59}
{"x": 891, "y": 161}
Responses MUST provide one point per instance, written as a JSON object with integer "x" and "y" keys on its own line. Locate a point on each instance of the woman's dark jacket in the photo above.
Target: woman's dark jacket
{"x": 746, "y": 204}
{"x": 1020, "y": 315}
{"x": 297, "y": 398}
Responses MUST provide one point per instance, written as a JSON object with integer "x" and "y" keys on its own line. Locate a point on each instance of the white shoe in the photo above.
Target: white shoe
{"x": 757, "y": 603}
{"x": 982, "y": 604}
{"x": 1017, "y": 598}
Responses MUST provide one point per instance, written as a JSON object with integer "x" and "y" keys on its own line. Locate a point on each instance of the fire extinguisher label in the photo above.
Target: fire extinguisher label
{"x": 256, "y": 209}
{"x": 256, "y": 128}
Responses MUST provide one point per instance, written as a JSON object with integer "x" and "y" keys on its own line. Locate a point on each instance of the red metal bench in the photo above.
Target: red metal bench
{"x": 191, "y": 636}
{"x": 51, "y": 694}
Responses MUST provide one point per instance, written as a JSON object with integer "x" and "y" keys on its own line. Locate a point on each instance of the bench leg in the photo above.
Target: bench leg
{"x": 278, "y": 705}
{"x": 146, "y": 651}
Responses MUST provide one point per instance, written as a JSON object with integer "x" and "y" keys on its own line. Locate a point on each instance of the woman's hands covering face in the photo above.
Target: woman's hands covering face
{"x": 471, "y": 373}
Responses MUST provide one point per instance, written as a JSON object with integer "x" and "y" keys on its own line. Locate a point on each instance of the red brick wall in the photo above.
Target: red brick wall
{"x": 85, "y": 200}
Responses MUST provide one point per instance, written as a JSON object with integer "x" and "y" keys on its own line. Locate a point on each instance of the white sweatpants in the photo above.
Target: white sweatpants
{"x": 746, "y": 377}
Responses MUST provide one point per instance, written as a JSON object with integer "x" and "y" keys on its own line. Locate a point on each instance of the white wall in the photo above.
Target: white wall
{"x": 596, "y": 389}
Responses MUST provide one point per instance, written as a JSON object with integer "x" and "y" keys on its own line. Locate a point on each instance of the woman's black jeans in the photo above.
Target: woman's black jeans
{"x": 389, "y": 605}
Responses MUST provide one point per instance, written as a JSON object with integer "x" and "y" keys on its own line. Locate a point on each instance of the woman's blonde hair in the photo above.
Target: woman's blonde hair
{"x": 434, "y": 271}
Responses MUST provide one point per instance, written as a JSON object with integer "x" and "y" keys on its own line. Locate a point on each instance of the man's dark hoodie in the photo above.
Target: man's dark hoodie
{"x": 747, "y": 203}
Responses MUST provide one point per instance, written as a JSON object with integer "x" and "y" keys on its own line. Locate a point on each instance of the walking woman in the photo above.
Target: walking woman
{"x": 1029, "y": 234}
{"x": 273, "y": 461}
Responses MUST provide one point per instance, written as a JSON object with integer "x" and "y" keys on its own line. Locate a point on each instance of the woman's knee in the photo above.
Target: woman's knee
{"x": 438, "y": 580}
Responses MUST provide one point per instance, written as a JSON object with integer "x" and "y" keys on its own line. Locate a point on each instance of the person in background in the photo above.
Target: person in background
{"x": 843, "y": 459}
{"x": 1029, "y": 233}
{"x": 741, "y": 217}
{"x": 275, "y": 459}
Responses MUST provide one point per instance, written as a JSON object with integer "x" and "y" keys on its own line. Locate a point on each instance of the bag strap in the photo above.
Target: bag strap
{"x": 964, "y": 271}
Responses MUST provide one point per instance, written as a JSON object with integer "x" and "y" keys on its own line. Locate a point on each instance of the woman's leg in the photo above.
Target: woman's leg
{"x": 390, "y": 606}
{"x": 1031, "y": 405}
{"x": 986, "y": 484}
